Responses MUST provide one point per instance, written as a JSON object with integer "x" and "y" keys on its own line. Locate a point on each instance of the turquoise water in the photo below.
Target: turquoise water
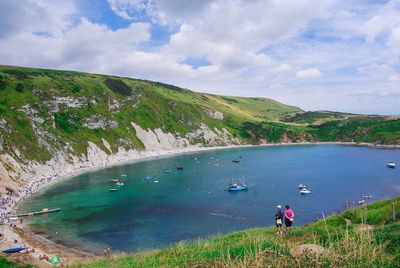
{"x": 193, "y": 203}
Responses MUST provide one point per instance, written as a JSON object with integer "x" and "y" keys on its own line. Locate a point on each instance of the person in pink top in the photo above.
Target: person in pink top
{"x": 289, "y": 218}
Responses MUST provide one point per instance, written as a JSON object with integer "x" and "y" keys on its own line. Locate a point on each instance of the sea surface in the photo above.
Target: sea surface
{"x": 193, "y": 203}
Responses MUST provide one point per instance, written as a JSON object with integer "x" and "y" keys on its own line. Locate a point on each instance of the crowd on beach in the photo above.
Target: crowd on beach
{"x": 10, "y": 200}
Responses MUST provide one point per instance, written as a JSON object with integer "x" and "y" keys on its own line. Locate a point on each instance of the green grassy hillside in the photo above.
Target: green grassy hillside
{"x": 337, "y": 243}
{"x": 45, "y": 111}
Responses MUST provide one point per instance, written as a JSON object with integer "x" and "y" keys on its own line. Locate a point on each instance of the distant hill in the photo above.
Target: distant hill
{"x": 51, "y": 119}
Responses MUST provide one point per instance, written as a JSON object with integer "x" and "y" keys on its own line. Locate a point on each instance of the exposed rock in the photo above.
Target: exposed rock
{"x": 38, "y": 120}
{"x": 113, "y": 105}
{"x": 285, "y": 138}
{"x": 307, "y": 250}
{"x": 214, "y": 114}
{"x": 207, "y": 136}
{"x": 107, "y": 145}
{"x": 97, "y": 121}
{"x": 70, "y": 102}
{"x": 4, "y": 126}
{"x": 158, "y": 140}
{"x": 1, "y": 143}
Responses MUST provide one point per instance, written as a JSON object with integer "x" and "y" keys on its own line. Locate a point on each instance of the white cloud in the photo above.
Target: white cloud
{"x": 254, "y": 48}
{"x": 308, "y": 73}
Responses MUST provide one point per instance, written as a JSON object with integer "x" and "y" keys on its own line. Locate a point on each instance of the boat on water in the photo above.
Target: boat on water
{"x": 167, "y": 170}
{"x": 114, "y": 180}
{"x": 178, "y": 167}
{"x": 366, "y": 196}
{"x": 302, "y": 186}
{"x": 236, "y": 160}
{"x": 360, "y": 202}
{"x": 148, "y": 178}
{"x": 216, "y": 165}
{"x": 112, "y": 190}
{"x": 234, "y": 187}
{"x": 123, "y": 175}
{"x": 120, "y": 184}
{"x": 305, "y": 191}
{"x": 391, "y": 164}
{"x": 155, "y": 181}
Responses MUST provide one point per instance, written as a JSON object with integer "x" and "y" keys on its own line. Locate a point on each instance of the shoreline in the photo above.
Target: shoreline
{"x": 28, "y": 238}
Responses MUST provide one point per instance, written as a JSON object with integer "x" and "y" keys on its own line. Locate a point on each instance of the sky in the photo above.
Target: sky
{"x": 339, "y": 55}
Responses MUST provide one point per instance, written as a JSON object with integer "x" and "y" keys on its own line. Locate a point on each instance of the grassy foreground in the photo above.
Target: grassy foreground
{"x": 329, "y": 243}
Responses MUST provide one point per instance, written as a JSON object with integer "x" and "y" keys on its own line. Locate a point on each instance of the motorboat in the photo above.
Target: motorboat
{"x": 236, "y": 160}
{"x": 302, "y": 186}
{"x": 178, "y": 167}
{"x": 366, "y": 196}
{"x": 148, "y": 178}
{"x": 361, "y": 202}
{"x": 234, "y": 187}
{"x": 167, "y": 170}
{"x": 114, "y": 180}
{"x": 305, "y": 191}
{"x": 120, "y": 184}
{"x": 391, "y": 164}
{"x": 113, "y": 190}
{"x": 155, "y": 181}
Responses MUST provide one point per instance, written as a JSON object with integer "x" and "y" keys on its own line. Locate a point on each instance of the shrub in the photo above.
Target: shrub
{"x": 118, "y": 86}
{"x": 3, "y": 84}
{"x": 19, "y": 87}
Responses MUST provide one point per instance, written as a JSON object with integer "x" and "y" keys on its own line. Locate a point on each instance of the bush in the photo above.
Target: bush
{"x": 19, "y": 87}
{"x": 3, "y": 84}
{"x": 76, "y": 88}
{"x": 118, "y": 86}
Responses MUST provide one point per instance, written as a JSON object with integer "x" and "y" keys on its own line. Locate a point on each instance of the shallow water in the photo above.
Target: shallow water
{"x": 193, "y": 203}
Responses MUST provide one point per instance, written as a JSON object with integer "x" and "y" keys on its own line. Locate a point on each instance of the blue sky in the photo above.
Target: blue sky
{"x": 327, "y": 54}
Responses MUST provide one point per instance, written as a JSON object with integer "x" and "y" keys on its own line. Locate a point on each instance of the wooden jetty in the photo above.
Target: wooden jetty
{"x": 43, "y": 211}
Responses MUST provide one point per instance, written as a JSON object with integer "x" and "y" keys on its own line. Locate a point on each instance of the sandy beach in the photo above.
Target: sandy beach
{"x": 16, "y": 234}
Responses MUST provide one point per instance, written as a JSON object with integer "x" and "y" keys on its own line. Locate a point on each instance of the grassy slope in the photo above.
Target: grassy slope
{"x": 346, "y": 247}
{"x": 156, "y": 105}
{"x": 149, "y": 104}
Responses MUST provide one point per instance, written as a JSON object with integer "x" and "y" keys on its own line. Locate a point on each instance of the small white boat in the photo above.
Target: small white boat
{"x": 113, "y": 190}
{"x": 302, "y": 186}
{"x": 155, "y": 181}
{"x": 123, "y": 175}
{"x": 361, "y": 202}
{"x": 305, "y": 191}
{"x": 391, "y": 164}
{"x": 237, "y": 187}
{"x": 120, "y": 184}
{"x": 167, "y": 170}
{"x": 366, "y": 196}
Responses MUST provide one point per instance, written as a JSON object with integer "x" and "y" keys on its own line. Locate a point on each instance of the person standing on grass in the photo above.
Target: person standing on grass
{"x": 278, "y": 220}
{"x": 289, "y": 218}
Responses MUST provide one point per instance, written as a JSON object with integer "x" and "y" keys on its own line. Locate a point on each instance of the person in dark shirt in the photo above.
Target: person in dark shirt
{"x": 278, "y": 220}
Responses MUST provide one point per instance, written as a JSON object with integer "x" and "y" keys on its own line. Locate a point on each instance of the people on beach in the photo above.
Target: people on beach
{"x": 278, "y": 220}
{"x": 289, "y": 218}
